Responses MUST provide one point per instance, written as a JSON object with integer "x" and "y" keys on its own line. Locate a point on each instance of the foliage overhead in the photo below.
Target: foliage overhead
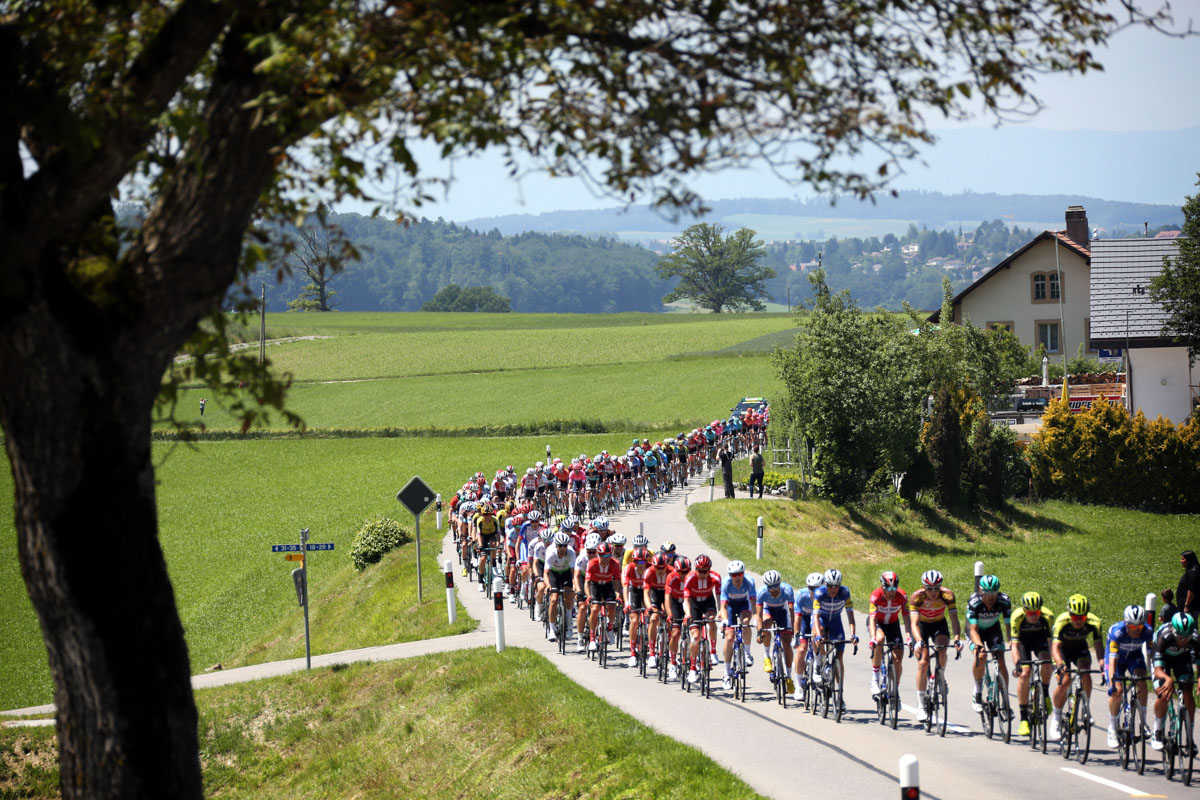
{"x": 1177, "y": 287}
{"x": 720, "y": 273}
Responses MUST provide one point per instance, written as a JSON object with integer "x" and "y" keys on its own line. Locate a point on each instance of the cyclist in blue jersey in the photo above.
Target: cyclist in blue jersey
{"x": 1128, "y": 642}
{"x": 989, "y": 614}
{"x": 828, "y": 602}
{"x": 803, "y": 626}
{"x": 777, "y": 600}
{"x": 737, "y": 603}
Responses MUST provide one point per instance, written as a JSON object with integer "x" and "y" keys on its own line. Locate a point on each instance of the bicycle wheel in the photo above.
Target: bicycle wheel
{"x": 705, "y": 668}
{"x": 1124, "y": 735}
{"x": 1137, "y": 746}
{"x": 943, "y": 705}
{"x": 882, "y": 700}
{"x": 1066, "y": 744}
{"x": 643, "y": 647}
{"x": 987, "y": 711}
{"x": 1004, "y": 710}
{"x": 1185, "y": 753}
{"x": 893, "y": 696}
{"x": 562, "y": 626}
{"x": 780, "y": 676}
{"x": 602, "y": 642}
{"x": 1083, "y": 729}
{"x": 930, "y": 701}
{"x": 838, "y": 687}
{"x": 740, "y": 672}
{"x": 1168, "y": 751}
{"x": 664, "y": 649}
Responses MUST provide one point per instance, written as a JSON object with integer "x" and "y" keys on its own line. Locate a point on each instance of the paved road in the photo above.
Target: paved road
{"x": 787, "y": 753}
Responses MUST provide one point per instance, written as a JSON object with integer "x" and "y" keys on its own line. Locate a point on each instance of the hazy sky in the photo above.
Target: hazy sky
{"x": 1149, "y": 84}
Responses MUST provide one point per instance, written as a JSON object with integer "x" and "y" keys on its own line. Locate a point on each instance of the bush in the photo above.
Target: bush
{"x": 377, "y": 536}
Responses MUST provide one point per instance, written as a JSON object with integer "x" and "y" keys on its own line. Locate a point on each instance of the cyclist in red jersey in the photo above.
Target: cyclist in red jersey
{"x": 700, "y": 590}
{"x": 603, "y": 573}
{"x": 633, "y": 578}
{"x": 888, "y": 604}
{"x": 677, "y": 602}
{"x": 654, "y": 589}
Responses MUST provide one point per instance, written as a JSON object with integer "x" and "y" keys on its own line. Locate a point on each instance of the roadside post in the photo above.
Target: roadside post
{"x": 451, "y": 611}
{"x": 910, "y": 782}
{"x": 642, "y": 528}
{"x": 498, "y": 596}
{"x": 1151, "y": 604}
{"x": 299, "y": 552}
{"x": 978, "y": 574}
{"x": 416, "y": 497}
{"x": 547, "y": 454}
{"x": 439, "y": 512}
{"x": 712, "y": 482}
{"x": 758, "y": 547}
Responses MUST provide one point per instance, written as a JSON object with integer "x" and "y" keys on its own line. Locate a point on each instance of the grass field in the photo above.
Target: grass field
{"x": 425, "y": 727}
{"x": 1114, "y": 556}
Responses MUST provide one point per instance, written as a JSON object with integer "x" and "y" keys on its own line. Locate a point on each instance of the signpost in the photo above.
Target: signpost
{"x": 296, "y": 552}
{"x": 416, "y": 496}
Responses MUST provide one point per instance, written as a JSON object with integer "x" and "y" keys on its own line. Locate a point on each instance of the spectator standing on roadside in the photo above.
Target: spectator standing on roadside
{"x": 756, "y": 472}
{"x": 202, "y": 402}
{"x": 726, "y": 459}
{"x": 1187, "y": 594}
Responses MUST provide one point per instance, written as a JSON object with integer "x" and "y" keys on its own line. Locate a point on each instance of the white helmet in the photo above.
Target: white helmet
{"x": 561, "y": 539}
{"x": 814, "y": 579}
{"x": 617, "y": 540}
{"x": 592, "y": 541}
{"x": 533, "y": 516}
{"x": 736, "y": 568}
{"x": 932, "y": 578}
{"x": 771, "y": 578}
{"x": 530, "y": 471}
{"x": 540, "y": 464}
{"x": 833, "y": 578}
{"x": 641, "y": 540}
{"x": 600, "y": 523}
{"x": 1135, "y": 615}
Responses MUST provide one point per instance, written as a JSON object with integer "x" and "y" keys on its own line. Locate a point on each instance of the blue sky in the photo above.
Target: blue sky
{"x": 1149, "y": 84}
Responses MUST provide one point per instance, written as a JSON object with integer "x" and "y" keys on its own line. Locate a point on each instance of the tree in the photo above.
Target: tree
{"x": 1177, "y": 287}
{"x": 714, "y": 272}
{"x": 453, "y": 297}
{"x": 223, "y": 118}
{"x": 321, "y": 254}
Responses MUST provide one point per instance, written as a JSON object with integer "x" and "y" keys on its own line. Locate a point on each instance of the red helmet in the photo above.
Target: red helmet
{"x": 604, "y": 549}
{"x": 889, "y": 580}
{"x": 661, "y": 561}
{"x": 682, "y": 564}
{"x": 703, "y": 563}
{"x": 641, "y": 554}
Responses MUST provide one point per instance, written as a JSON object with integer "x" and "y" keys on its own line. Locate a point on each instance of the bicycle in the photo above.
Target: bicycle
{"x": 487, "y": 569}
{"x": 937, "y": 693}
{"x": 1077, "y": 721}
{"x": 832, "y": 679}
{"x": 703, "y": 657}
{"x": 777, "y": 675}
{"x": 996, "y": 707}
{"x": 602, "y": 628}
{"x": 887, "y": 700}
{"x": 1178, "y": 744}
{"x": 1037, "y": 704}
{"x": 560, "y": 624}
{"x": 738, "y": 661}
{"x": 1131, "y": 737}
{"x": 807, "y": 688}
{"x": 640, "y": 634}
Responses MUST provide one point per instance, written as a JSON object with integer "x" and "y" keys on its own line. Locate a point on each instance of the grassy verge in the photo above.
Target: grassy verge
{"x": 427, "y": 727}
{"x": 1115, "y": 556}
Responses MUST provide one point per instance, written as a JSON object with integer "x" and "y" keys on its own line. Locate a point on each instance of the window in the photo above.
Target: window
{"x": 1046, "y": 287}
{"x": 1054, "y": 295}
{"x": 1047, "y": 335}
{"x": 1039, "y": 287}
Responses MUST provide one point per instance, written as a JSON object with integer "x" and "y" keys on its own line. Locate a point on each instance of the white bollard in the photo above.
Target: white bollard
{"x": 439, "y": 512}
{"x": 978, "y": 574}
{"x": 759, "y": 546}
{"x": 451, "y": 609}
{"x": 642, "y": 528}
{"x": 910, "y": 778}
{"x": 1151, "y": 604}
{"x": 712, "y": 485}
{"x": 498, "y": 596}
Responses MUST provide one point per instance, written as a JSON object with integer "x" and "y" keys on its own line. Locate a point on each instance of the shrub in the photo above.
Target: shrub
{"x": 377, "y": 536}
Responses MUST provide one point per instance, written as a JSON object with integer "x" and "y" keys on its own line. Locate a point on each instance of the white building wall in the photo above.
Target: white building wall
{"x": 1160, "y": 382}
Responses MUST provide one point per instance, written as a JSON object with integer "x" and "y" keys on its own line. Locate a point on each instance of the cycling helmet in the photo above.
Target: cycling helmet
{"x": 604, "y": 550}
{"x": 814, "y": 579}
{"x": 1135, "y": 615}
{"x": 518, "y": 519}
{"x": 561, "y": 539}
{"x": 546, "y": 534}
{"x": 833, "y": 578}
{"x": 932, "y": 579}
{"x": 889, "y": 580}
{"x": 736, "y": 568}
{"x": 530, "y": 471}
{"x": 600, "y": 524}
{"x": 540, "y": 464}
{"x": 661, "y": 561}
{"x": 1031, "y": 601}
{"x": 510, "y": 469}
{"x": 703, "y": 563}
{"x": 592, "y": 541}
{"x": 572, "y": 520}
{"x": 641, "y": 554}
{"x": 566, "y": 526}
{"x": 682, "y": 565}
{"x": 989, "y": 584}
{"x": 772, "y": 578}
{"x": 1183, "y": 624}
{"x": 617, "y": 540}
{"x": 667, "y": 547}
{"x": 641, "y": 541}
{"x": 1078, "y": 605}
{"x": 534, "y": 516}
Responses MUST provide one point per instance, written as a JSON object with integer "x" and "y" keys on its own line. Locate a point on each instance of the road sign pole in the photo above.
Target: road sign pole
{"x": 758, "y": 549}
{"x": 498, "y": 596}
{"x": 978, "y": 574}
{"x": 416, "y": 496}
{"x": 451, "y": 610}
{"x": 439, "y": 512}
{"x": 417, "y": 525}
{"x": 307, "y": 634}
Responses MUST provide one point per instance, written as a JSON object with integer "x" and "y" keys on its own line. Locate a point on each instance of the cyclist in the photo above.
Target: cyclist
{"x": 537, "y": 557}
{"x": 738, "y": 597}
{"x": 1173, "y": 645}
{"x": 526, "y": 537}
{"x": 1128, "y": 642}
{"x": 988, "y": 611}
{"x": 828, "y": 602}
{"x": 633, "y": 587}
{"x": 654, "y": 586}
{"x": 590, "y": 545}
{"x": 700, "y": 590}
{"x": 602, "y": 575}
{"x": 1031, "y": 624}
{"x": 886, "y": 609}
{"x": 928, "y": 608}
{"x": 677, "y": 602}
{"x": 1068, "y": 645}
{"x": 529, "y": 484}
{"x": 639, "y": 540}
{"x": 803, "y": 626}
{"x": 487, "y": 529}
{"x": 778, "y": 600}
{"x": 560, "y": 559}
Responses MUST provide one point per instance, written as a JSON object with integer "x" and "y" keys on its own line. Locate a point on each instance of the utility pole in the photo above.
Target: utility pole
{"x": 262, "y": 328}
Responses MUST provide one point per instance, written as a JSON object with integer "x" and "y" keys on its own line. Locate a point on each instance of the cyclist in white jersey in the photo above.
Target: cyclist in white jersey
{"x": 560, "y": 561}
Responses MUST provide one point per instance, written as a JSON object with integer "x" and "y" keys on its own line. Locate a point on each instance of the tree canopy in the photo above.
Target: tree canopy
{"x": 1177, "y": 287}
{"x": 453, "y": 297}
{"x": 222, "y": 118}
{"x": 715, "y": 272}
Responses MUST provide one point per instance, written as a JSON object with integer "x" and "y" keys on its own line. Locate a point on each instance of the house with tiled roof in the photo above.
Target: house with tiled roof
{"x": 1123, "y": 315}
{"x": 1040, "y": 293}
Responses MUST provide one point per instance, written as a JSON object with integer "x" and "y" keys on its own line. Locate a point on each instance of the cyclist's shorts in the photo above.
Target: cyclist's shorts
{"x": 563, "y": 483}
{"x": 778, "y": 615}
{"x": 512, "y": 551}
{"x": 832, "y": 629}
{"x": 733, "y": 608}
{"x": 658, "y": 597}
{"x": 1034, "y": 643}
{"x": 577, "y": 485}
{"x": 701, "y": 608}
{"x": 492, "y": 540}
{"x": 891, "y": 633}
{"x": 993, "y": 637}
{"x": 1076, "y": 653}
{"x": 677, "y": 611}
{"x": 637, "y": 601}
{"x": 931, "y": 630}
{"x": 528, "y": 494}
{"x": 1179, "y": 667}
{"x": 602, "y": 592}
{"x": 1131, "y": 664}
{"x": 499, "y": 495}
{"x": 805, "y": 628}
{"x": 559, "y": 581}
{"x": 593, "y": 480}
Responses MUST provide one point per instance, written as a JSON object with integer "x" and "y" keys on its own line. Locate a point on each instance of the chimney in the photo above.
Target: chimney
{"x": 1077, "y": 225}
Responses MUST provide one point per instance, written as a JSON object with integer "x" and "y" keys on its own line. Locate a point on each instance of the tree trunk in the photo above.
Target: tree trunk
{"x": 75, "y": 407}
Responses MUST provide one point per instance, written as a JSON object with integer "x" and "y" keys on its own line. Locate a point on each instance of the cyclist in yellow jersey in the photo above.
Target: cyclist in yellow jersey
{"x": 928, "y": 608}
{"x": 640, "y": 540}
{"x": 1031, "y": 624}
{"x": 1068, "y": 645}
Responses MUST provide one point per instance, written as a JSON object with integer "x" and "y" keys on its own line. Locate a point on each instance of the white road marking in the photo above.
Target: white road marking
{"x": 1120, "y": 787}
{"x": 956, "y": 728}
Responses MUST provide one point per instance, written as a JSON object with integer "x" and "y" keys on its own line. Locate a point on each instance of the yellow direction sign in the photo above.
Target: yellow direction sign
{"x": 294, "y": 557}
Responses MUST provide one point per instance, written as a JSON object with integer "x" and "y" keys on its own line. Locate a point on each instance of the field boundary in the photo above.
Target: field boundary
{"x": 561, "y": 426}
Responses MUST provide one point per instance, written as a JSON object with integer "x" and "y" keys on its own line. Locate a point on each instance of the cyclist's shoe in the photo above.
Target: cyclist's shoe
{"x": 767, "y": 664}
{"x": 571, "y": 634}
{"x": 1054, "y": 728}
{"x": 874, "y": 685}
{"x": 632, "y": 662}
{"x": 612, "y": 637}
{"x": 977, "y": 703}
{"x": 580, "y": 646}
{"x": 1156, "y": 740}
{"x": 692, "y": 677}
{"x": 749, "y": 658}
{"x": 479, "y": 586}
{"x": 1112, "y": 736}
{"x": 817, "y": 678}
{"x": 1023, "y": 728}
{"x": 713, "y": 660}
{"x": 551, "y": 635}
{"x": 922, "y": 712}
{"x": 727, "y": 682}
{"x": 790, "y": 686}
{"x": 592, "y": 646}
{"x": 672, "y": 673}
{"x": 464, "y": 572}
{"x": 652, "y": 662}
